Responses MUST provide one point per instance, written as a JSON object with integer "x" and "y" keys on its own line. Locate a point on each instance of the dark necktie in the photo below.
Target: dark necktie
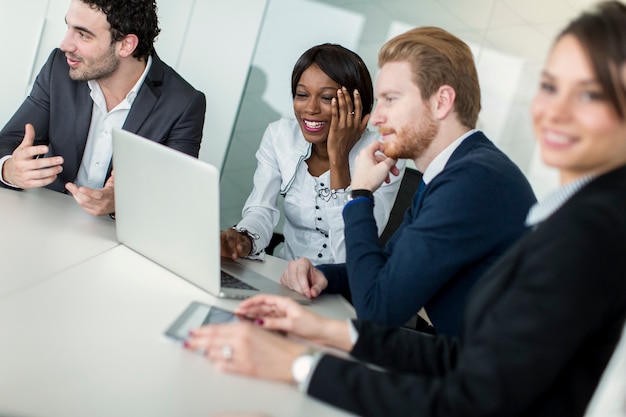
{"x": 418, "y": 193}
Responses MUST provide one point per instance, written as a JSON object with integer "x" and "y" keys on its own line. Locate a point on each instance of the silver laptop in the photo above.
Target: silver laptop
{"x": 167, "y": 209}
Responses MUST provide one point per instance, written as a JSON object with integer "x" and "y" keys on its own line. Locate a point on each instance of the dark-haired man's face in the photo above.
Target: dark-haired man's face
{"x": 87, "y": 44}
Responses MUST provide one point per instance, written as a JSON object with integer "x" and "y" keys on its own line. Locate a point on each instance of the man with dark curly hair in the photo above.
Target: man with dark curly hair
{"x": 105, "y": 75}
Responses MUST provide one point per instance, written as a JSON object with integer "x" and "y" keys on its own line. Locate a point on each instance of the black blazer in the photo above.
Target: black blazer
{"x": 167, "y": 109}
{"x": 538, "y": 330}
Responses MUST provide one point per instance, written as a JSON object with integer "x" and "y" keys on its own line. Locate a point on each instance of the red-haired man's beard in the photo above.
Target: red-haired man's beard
{"x": 412, "y": 141}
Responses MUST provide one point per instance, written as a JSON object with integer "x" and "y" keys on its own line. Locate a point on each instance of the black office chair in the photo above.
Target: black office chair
{"x": 277, "y": 239}
{"x": 404, "y": 199}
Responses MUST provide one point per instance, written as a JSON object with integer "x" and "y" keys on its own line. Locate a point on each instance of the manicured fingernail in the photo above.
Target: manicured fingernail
{"x": 259, "y": 322}
{"x": 186, "y": 344}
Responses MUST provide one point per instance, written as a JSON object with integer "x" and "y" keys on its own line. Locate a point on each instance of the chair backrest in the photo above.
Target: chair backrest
{"x": 277, "y": 239}
{"x": 404, "y": 199}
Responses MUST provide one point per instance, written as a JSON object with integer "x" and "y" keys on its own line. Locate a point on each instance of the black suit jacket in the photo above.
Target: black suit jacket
{"x": 167, "y": 110}
{"x": 538, "y": 329}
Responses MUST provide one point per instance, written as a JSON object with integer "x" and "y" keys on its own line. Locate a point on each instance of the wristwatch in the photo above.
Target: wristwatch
{"x": 352, "y": 194}
{"x": 301, "y": 368}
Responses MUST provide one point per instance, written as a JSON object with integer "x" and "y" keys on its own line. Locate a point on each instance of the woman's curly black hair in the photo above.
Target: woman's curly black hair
{"x": 138, "y": 17}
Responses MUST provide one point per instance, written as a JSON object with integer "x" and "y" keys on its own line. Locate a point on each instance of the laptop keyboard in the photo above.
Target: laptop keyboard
{"x": 229, "y": 281}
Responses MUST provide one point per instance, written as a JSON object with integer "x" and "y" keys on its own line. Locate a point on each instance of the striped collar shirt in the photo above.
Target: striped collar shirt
{"x": 553, "y": 201}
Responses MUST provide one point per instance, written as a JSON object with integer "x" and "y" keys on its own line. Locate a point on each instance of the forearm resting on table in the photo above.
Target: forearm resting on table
{"x": 336, "y": 334}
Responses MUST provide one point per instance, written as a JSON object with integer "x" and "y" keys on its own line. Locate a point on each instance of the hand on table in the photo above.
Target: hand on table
{"x": 247, "y": 349}
{"x": 302, "y": 277}
{"x": 235, "y": 244}
{"x": 283, "y": 314}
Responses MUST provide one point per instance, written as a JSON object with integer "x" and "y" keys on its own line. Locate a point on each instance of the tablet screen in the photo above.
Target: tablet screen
{"x": 195, "y": 315}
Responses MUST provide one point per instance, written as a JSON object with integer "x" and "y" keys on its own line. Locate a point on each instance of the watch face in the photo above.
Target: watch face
{"x": 301, "y": 367}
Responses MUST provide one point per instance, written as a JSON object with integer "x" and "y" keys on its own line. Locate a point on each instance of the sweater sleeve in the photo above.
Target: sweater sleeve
{"x": 373, "y": 391}
{"x": 384, "y": 198}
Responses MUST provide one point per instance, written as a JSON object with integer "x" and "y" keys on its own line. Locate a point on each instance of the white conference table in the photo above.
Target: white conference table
{"x": 45, "y": 232}
{"x": 87, "y": 339}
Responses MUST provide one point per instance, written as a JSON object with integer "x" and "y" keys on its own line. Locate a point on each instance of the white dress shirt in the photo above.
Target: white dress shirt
{"x": 99, "y": 148}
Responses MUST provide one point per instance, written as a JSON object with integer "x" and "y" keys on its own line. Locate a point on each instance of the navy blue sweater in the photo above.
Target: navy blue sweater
{"x": 462, "y": 222}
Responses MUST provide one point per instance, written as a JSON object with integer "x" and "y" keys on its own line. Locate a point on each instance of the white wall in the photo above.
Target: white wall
{"x": 209, "y": 43}
{"x": 18, "y": 47}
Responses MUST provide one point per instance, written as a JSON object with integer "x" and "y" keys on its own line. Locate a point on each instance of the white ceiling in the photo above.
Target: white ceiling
{"x": 524, "y": 28}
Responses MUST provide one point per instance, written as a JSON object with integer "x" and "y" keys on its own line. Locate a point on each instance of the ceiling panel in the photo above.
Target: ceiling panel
{"x": 424, "y": 13}
{"x": 504, "y": 16}
{"x": 541, "y": 11}
{"x": 523, "y": 41}
{"x": 475, "y": 14}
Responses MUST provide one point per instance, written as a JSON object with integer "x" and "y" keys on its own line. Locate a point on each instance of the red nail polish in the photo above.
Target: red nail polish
{"x": 259, "y": 322}
{"x": 186, "y": 344}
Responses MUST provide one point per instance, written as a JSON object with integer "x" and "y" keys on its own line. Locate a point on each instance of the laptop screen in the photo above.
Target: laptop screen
{"x": 167, "y": 208}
